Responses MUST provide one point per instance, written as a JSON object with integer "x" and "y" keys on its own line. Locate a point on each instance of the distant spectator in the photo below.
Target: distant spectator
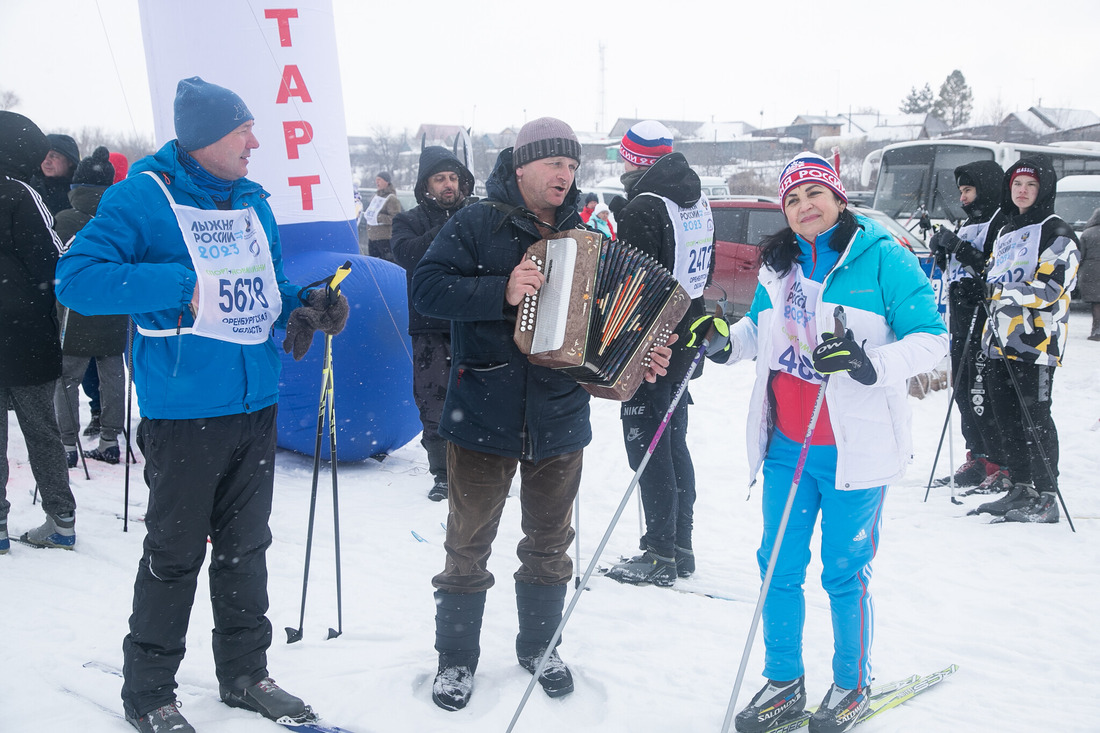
{"x": 379, "y": 217}
{"x": 590, "y": 201}
{"x": 88, "y": 338}
{"x": 1088, "y": 276}
{"x": 55, "y": 176}
{"x": 443, "y": 187}
{"x": 30, "y": 353}
{"x": 601, "y": 221}
{"x": 121, "y": 166}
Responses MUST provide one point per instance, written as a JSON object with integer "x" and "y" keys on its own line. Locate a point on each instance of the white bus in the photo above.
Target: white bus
{"x": 922, "y": 173}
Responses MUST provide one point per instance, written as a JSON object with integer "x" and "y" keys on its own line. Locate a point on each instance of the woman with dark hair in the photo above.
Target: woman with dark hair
{"x": 828, "y": 257}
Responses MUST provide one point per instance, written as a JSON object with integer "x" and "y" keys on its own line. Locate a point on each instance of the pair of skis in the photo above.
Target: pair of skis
{"x": 883, "y": 698}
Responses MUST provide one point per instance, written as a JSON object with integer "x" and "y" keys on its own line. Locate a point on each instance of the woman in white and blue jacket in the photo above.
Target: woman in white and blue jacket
{"x": 828, "y": 257}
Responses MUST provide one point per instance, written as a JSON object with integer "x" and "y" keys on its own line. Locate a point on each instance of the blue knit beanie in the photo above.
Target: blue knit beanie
{"x": 205, "y": 113}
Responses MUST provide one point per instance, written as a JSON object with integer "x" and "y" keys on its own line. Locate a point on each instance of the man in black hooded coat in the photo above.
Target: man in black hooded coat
{"x": 962, "y": 257}
{"x": 443, "y": 186}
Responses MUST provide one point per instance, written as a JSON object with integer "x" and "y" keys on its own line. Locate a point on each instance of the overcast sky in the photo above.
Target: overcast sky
{"x": 497, "y": 63}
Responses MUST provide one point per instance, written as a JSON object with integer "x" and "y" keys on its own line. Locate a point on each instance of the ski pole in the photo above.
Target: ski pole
{"x": 129, "y": 417}
{"x": 992, "y": 325}
{"x": 577, "y": 537}
{"x": 840, "y": 329}
{"x": 292, "y": 634}
{"x": 950, "y": 406}
{"x": 702, "y": 350}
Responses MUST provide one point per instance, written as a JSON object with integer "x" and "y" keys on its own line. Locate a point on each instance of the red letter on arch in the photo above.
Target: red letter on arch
{"x": 297, "y": 133}
{"x": 306, "y": 183}
{"x": 282, "y": 16}
{"x": 292, "y": 85}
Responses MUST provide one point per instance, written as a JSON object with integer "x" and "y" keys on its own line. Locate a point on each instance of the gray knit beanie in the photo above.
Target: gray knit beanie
{"x": 545, "y": 137}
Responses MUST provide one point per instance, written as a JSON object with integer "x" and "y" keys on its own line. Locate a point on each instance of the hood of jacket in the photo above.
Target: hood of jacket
{"x": 432, "y": 160}
{"x": 85, "y": 199}
{"x": 23, "y": 146}
{"x": 671, "y": 177}
{"x": 501, "y": 185}
{"x": 1094, "y": 220}
{"x": 1044, "y": 204}
{"x": 166, "y": 162}
{"x": 987, "y": 177}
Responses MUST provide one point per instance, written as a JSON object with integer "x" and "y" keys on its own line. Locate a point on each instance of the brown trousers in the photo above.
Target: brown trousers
{"x": 479, "y": 484}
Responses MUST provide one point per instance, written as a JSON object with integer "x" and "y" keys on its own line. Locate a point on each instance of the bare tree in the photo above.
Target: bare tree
{"x": 8, "y": 99}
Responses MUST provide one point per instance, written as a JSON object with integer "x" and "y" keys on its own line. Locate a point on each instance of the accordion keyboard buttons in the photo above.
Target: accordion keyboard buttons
{"x": 530, "y": 302}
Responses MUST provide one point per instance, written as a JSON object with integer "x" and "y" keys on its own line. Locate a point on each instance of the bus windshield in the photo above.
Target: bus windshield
{"x": 917, "y": 175}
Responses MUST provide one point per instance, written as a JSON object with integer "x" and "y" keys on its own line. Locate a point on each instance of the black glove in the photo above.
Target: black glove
{"x": 971, "y": 257}
{"x": 939, "y": 251}
{"x": 969, "y": 292}
{"x": 319, "y": 312}
{"x": 718, "y": 348}
{"x": 842, "y": 354}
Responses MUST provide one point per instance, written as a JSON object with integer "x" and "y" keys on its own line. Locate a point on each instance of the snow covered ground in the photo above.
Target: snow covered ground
{"x": 1013, "y": 605}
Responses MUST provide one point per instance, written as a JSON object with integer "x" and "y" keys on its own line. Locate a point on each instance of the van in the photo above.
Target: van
{"x": 1078, "y": 197}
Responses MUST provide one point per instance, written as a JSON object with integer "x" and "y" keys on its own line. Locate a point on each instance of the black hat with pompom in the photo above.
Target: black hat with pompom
{"x": 96, "y": 170}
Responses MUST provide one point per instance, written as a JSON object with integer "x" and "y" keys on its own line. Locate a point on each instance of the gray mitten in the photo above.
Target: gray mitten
{"x": 317, "y": 314}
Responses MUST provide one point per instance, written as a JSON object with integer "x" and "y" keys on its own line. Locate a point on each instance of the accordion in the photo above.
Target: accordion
{"x": 603, "y": 307}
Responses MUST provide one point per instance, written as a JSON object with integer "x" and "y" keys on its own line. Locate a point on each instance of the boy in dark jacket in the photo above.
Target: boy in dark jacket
{"x": 443, "y": 187}
{"x": 1031, "y": 274}
{"x": 962, "y": 257}
{"x": 667, "y": 217}
{"x": 30, "y": 355}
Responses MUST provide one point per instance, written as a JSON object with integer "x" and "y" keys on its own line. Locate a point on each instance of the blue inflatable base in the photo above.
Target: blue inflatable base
{"x": 371, "y": 363}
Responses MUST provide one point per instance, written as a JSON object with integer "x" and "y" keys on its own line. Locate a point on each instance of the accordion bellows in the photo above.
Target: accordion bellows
{"x": 602, "y": 309}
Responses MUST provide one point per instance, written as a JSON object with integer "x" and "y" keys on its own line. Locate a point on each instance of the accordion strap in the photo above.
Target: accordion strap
{"x": 520, "y": 212}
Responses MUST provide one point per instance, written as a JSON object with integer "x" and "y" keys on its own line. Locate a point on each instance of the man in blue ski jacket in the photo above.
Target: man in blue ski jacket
{"x": 189, "y": 248}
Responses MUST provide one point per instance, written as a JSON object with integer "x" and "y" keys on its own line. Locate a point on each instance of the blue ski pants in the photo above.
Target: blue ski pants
{"x": 850, "y": 522}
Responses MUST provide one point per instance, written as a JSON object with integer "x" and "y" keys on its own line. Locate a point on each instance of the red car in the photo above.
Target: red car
{"x": 739, "y": 225}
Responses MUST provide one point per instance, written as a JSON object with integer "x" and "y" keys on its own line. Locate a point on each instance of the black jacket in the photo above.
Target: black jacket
{"x": 497, "y": 401}
{"x": 644, "y": 225}
{"x": 86, "y": 335}
{"x": 414, "y": 230}
{"x": 30, "y": 352}
{"x": 54, "y": 191}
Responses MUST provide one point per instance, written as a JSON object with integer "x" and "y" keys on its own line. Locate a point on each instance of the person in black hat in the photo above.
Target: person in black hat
{"x": 378, "y": 216}
{"x": 590, "y": 201}
{"x": 55, "y": 176}
{"x": 85, "y": 340}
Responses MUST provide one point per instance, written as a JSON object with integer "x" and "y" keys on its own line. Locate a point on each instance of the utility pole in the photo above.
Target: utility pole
{"x": 602, "y": 89}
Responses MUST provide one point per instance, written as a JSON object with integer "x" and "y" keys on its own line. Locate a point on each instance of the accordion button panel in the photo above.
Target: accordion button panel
{"x": 530, "y": 302}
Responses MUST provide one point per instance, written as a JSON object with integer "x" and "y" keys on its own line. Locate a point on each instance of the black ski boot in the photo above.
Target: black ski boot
{"x": 1041, "y": 510}
{"x": 644, "y": 569}
{"x": 685, "y": 562}
{"x": 540, "y": 608}
{"x": 458, "y": 641}
{"x": 165, "y": 719}
{"x": 840, "y": 710}
{"x": 776, "y": 703}
{"x": 266, "y": 698}
{"x": 1019, "y": 497}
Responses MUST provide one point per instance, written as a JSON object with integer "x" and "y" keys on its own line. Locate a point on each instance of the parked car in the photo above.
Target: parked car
{"x": 741, "y": 222}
